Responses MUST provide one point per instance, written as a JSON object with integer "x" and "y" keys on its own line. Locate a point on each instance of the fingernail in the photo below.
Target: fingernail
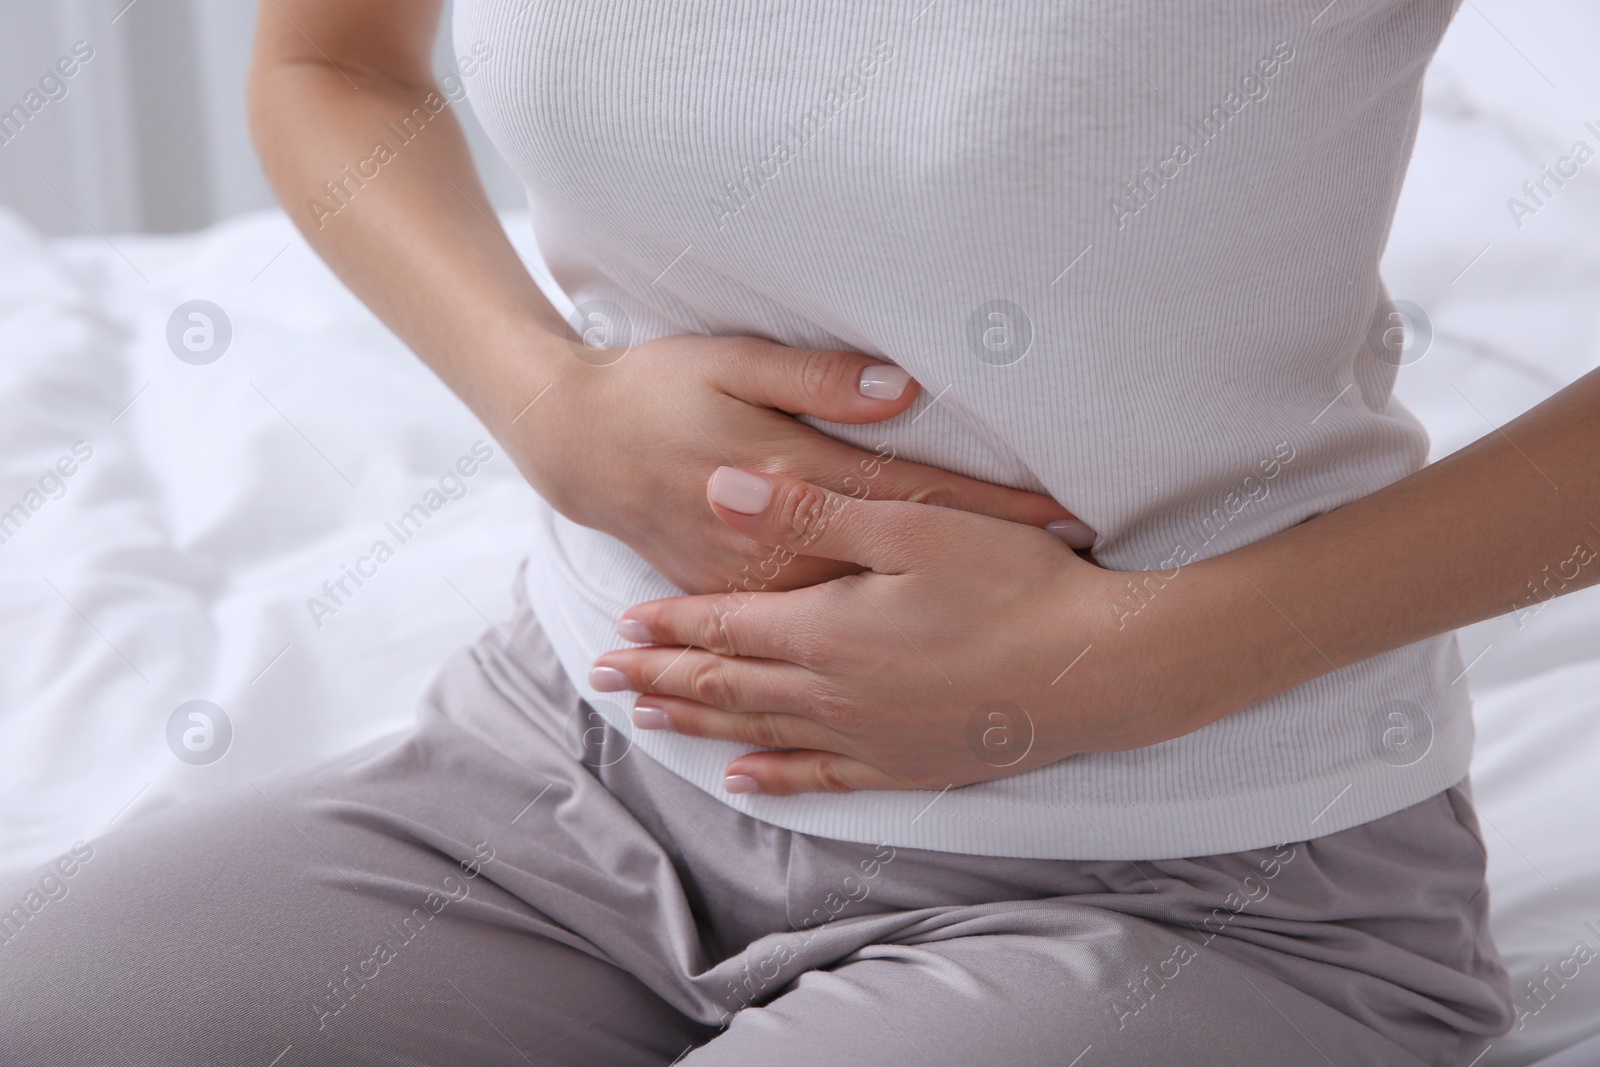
{"x": 883, "y": 381}
{"x": 1076, "y": 534}
{"x": 635, "y": 631}
{"x": 607, "y": 680}
{"x": 739, "y": 491}
{"x": 740, "y": 783}
{"x": 648, "y": 718}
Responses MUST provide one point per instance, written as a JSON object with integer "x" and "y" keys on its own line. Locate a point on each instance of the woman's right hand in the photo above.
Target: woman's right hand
{"x": 626, "y": 447}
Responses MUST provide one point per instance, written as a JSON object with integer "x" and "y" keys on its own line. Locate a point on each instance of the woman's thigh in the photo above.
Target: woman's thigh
{"x": 352, "y": 914}
{"x": 1027, "y": 1000}
{"x": 1369, "y": 946}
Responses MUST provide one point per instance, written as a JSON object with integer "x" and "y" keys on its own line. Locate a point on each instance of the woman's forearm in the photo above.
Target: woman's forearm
{"x": 370, "y": 163}
{"x": 1505, "y": 523}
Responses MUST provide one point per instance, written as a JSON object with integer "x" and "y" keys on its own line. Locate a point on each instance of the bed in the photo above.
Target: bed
{"x": 194, "y": 478}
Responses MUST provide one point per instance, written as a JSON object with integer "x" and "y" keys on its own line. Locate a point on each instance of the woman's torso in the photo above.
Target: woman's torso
{"x": 1130, "y": 252}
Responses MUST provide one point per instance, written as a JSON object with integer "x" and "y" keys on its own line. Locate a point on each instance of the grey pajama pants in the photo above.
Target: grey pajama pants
{"x": 506, "y": 884}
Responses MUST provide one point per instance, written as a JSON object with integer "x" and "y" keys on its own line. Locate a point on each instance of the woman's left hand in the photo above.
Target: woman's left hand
{"x": 972, "y": 648}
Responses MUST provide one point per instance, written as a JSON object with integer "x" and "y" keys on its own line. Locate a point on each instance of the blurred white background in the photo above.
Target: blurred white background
{"x": 150, "y": 136}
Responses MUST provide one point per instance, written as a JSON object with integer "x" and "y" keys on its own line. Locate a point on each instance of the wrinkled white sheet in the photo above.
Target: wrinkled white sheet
{"x": 176, "y": 562}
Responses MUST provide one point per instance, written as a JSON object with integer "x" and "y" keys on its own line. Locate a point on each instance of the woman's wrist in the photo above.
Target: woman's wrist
{"x": 1254, "y": 650}
{"x": 1196, "y": 643}
{"x": 507, "y": 379}
{"x": 502, "y": 359}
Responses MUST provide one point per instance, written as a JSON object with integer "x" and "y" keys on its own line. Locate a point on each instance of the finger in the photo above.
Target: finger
{"x": 900, "y": 480}
{"x": 753, "y": 625}
{"x": 809, "y": 520}
{"x": 727, "y": 682}
{"x": 880, "y": 475}
{"x": 769, "y": 729}
{"x": 806, "y": 771}
{"x": 837, "y": 386}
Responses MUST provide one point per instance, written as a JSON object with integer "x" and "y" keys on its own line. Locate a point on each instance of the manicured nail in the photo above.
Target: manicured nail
{"x": 635, "y": 631}
{"x": 883, "y": 381}
{"x": 1076, "y": 534}
{"x": 739, "y": 491}
{"x": 648, "y": 718}
{"x": 607, "y": 680}
{"x": 740, "y": 783}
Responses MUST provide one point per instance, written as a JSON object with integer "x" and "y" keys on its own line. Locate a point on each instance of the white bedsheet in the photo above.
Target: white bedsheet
{"x": 218, "y": 498}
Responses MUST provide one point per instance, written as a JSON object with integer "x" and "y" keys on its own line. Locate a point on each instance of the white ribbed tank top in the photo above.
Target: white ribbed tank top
{"x": 1129, "y": 250}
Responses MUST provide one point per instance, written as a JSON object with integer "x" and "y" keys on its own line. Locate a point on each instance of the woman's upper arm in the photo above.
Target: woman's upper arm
{"x": 389, "y": 41}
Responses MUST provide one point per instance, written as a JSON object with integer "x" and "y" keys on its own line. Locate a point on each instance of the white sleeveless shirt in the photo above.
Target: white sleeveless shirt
{"x": 1131, "y": 253}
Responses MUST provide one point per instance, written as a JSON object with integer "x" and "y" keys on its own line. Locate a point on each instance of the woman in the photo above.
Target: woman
{"x": 896, "y": 782}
